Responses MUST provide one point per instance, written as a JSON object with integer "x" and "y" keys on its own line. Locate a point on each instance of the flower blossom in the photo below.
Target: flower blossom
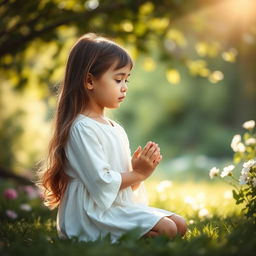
{"x": 243, "y": 179}
{"x": 249, "y": 163}
{"x": 236, "y": 139}
{"x": 236, "y": 144}
{"x": 25, "y": 207}
{"x": 214, "y": 172}
{"x": 254, "y": 182}
{"x": 31, "y": 191}
{"x": 241, "y": 147}
{"x": 250, "y": 141}
{"x": 227, "y": 171}
{"x": 10, "y": 193}
{"x": 249, "y": 124}
{"x": 11, "y": 214}
{"x": 245, "y": 171}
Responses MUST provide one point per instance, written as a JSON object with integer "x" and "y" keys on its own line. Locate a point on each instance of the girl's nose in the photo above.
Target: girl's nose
{"x": 124, "y": 87}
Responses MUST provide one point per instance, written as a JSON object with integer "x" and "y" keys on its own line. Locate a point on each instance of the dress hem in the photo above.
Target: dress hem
{"x": 154, "y": 223}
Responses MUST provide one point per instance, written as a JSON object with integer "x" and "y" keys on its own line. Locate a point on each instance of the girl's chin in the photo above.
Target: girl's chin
{"x": 114, "y": 106}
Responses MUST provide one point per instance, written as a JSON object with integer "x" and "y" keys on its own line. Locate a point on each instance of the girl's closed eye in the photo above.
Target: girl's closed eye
{"x": 119, "y": 81}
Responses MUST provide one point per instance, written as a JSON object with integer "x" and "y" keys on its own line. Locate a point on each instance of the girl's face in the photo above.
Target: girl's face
{"x": 107, "y": 90}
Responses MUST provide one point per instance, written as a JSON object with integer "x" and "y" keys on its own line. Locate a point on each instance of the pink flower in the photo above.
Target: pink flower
{"x": 11, "y": 214}
{"x": 10, "y": 193}
{"x": 31, "y": 191}
{"x": 41, "y": 195}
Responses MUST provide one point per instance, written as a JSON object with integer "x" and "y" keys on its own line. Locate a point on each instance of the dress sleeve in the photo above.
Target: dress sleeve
{"x": 87, "y": 159}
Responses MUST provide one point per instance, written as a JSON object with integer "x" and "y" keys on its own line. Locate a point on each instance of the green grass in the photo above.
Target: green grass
{"x": 216, "y": 226}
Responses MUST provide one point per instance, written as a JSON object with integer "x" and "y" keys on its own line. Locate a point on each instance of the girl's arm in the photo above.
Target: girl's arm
{"x": 132, "y": 179}
{"x": 135, "y": 186}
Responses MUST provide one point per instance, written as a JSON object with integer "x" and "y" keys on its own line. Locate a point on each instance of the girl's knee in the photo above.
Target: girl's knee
{"x": 166, "y": 226}
{"x": 180, "y": 223}
{"x": 170, "y": 229}
{"x": 151, "y": 233}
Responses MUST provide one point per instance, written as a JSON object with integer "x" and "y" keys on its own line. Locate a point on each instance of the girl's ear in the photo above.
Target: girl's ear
{"x": 89, "y": 82}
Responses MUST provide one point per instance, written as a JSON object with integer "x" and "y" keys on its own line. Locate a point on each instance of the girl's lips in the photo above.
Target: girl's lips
{"x": 121, "y": 98}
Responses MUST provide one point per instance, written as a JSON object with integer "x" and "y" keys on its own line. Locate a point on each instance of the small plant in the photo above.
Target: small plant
{"x": 244, "y": 148}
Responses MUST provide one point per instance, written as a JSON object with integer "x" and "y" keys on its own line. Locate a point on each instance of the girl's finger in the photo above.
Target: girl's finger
{"x": 158, "y": 160}
{"x": 152, "y": 150}
{"x": 154, "y": 155}
{"x": 146, "y": 148}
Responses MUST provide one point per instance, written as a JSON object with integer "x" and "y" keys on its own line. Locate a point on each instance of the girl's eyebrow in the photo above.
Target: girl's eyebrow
{"x": 123, "y": 74}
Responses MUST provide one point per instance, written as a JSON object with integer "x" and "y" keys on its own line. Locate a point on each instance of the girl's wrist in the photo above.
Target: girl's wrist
{"x": 138, "y": 176}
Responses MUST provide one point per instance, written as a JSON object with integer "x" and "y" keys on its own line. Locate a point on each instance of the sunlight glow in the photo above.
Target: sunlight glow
{"x": 228, "y": 194}
{"x": 230, "y": 55}
{"x": 163, "y": 185}
{"x": 243, "y": 10}
{"x": 203, "y": 213}
{"x": 202, "y": 200}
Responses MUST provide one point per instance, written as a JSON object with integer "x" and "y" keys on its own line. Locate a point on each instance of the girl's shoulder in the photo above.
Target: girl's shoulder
{"x": 84, "y": 121}
{"x": 83, "y": 127}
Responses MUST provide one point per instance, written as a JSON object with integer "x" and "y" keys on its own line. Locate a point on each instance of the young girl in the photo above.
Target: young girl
{"x": 90, "y": 174}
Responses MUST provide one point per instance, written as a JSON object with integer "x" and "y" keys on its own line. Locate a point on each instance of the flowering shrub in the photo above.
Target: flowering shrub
{"x": 15, "y": 202}
{"x": 244, "y": 148}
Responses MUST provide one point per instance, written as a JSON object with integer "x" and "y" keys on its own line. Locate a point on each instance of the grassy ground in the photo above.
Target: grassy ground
{"x": 216, "y": 225}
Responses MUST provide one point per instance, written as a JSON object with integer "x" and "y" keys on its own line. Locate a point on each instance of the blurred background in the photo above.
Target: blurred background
{"x": 190, "y": 91}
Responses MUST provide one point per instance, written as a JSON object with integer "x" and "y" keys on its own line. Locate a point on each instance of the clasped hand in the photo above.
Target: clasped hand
{"x": 145, "y": 161}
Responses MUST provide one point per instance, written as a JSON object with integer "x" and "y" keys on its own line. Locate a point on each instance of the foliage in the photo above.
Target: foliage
{"x": 183, "y": 122}
{"x": 35, "y": 35}
{"x": 245, "y": 186}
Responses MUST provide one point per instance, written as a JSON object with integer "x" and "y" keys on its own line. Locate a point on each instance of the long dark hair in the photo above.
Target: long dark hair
{"x": 93, "y": 54}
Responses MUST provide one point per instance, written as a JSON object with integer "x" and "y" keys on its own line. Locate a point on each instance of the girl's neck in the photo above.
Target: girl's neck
{"x": 94, "y": 110}
{"x": 94, "y": 114}
{"x": 97, "y": 116}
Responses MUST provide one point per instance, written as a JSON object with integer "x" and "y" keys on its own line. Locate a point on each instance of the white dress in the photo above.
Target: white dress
{"x": 92, "y": 205}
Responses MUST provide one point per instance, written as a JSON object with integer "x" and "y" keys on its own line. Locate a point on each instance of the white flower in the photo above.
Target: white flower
{"x": 243, "y": 179}
{"x": 249, "y": 163}
{"x": 214, "y": 172}
{"x": 11, "y": 214}
{"x": 250, "y": 141}
{"x": 249, "y": 124}
{"x": 236, "y": 139}
{"x": 237, "y": 145}
{"x": 25, "y": 207}
{"x": 245, "y": 170}
{"x": 241, "y": 147}
{"x": 254, "y": 182}
{"x": 227, "y": 171}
